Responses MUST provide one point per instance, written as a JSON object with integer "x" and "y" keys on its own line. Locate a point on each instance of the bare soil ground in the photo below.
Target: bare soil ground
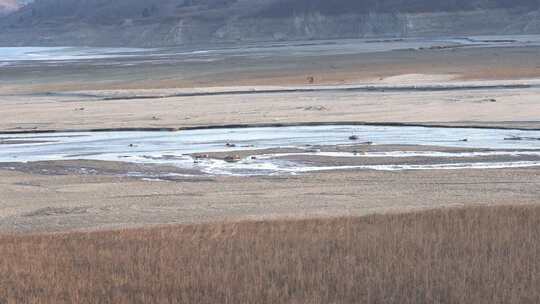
{"x": 26, "y": 102}
{"x": 71, "y": 97}
{"x": 39, "y": 201}
{"x": 514, "y": 108}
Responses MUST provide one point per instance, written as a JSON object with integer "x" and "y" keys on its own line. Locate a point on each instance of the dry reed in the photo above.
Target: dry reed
{"x": 469, "y": 255}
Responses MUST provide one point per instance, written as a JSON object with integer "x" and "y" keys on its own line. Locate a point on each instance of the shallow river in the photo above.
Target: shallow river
{"x": 175, "y": 148}
{"x": 10, "y": 56}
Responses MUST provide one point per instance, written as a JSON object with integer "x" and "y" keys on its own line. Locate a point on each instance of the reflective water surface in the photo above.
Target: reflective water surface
{"x": 176, "y": 148}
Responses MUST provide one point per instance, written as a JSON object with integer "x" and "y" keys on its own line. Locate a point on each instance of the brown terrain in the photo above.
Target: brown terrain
{"x": 68, "y": 200}
{"x": 462, "y": 255}
{"x": 71, "y": 97}
{"x": 325, "y": 252}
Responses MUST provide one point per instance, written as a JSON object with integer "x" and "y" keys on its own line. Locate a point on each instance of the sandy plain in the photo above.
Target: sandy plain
{"x": 56, "y": 203}
{"x": 85, "y": 97}
{"x": 104, "y": 95}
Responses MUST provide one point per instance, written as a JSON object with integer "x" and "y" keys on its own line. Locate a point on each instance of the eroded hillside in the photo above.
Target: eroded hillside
{"x": 181, "y": 22}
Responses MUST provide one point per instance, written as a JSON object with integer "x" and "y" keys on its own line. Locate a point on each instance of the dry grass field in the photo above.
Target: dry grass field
{"x": 466, "y": 255}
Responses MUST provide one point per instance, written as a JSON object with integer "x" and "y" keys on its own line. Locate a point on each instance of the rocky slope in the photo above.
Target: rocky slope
{"x": 187, "y": 22}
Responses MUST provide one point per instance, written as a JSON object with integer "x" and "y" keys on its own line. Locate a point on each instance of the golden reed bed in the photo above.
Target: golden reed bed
{"x": 467, "y": 255}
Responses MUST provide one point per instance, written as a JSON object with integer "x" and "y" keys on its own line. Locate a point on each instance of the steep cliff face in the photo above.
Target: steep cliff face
{"x": 8, "y": 6}
{"x": 184, "y": 22}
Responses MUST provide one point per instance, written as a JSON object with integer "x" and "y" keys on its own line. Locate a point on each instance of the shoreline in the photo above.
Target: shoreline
{"x": 68, "y": 99}
{"x": 453, "y": 125}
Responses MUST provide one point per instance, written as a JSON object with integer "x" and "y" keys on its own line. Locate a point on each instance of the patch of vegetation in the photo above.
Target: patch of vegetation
{"x": 469, "y": 255}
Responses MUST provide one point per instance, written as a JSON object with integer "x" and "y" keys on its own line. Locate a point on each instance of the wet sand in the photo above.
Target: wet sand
{"x": 284, "y": 162}
{"x": 60, "y": 196}
{"x": 487, "y": 63}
